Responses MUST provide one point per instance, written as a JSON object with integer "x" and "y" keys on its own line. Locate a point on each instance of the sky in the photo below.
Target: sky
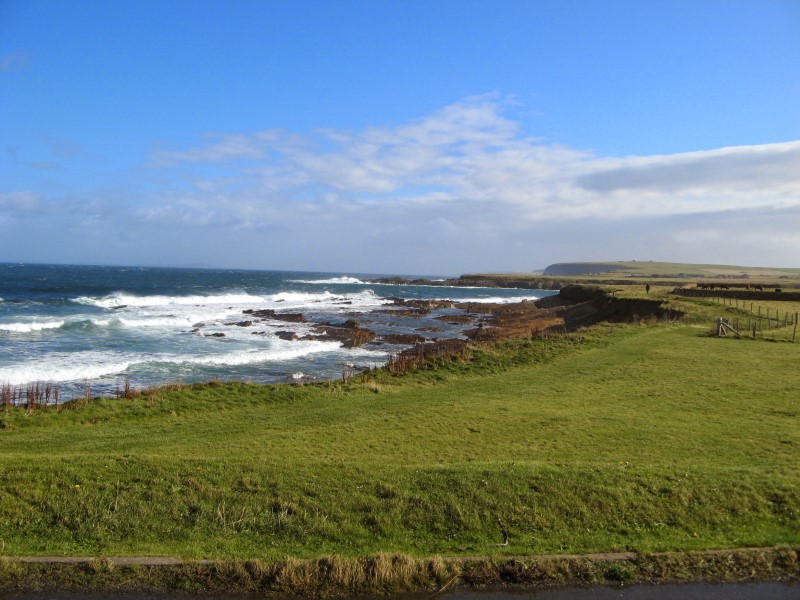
{"x": 399, "y": 136}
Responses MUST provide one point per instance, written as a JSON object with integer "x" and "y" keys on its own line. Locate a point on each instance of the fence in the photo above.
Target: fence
{"x": 759, "y": 319}
{"x": 740, "y": 294}
{"x": 755, "y": 325}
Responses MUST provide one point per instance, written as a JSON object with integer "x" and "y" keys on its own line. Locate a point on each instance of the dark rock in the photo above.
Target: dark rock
{"x": 271, "y": 314}
{"x": 263, "y": 314}
{"x": 241, "y": 324}
{"x": 413, "y": 313}
{"x": 349, "y": 337}
{"x": 286, "y": 335}
{"x": 216, "y": 335}
{"x": 455, "y": 319}
{"x": 290, "y": 317}
{"x": 402, "y": 338}
{"x": 422, "y": 304}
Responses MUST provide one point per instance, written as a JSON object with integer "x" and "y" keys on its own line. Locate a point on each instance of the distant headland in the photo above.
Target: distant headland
{"x": 558, "y": 275}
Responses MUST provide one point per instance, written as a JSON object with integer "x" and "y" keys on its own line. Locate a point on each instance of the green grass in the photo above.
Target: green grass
{"x": 635, "y": 272}
{"x": 646, "y": 437}
{"x": 642, "y": 268}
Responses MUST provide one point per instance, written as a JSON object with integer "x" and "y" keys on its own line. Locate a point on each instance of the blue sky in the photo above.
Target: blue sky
{"x": 399, "y": 136}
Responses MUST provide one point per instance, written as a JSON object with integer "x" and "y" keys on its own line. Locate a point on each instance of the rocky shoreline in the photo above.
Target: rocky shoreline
{"x": 575, "y": 306}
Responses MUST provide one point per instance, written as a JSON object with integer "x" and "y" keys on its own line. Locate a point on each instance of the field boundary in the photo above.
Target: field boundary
{"x": 386, "y": 574}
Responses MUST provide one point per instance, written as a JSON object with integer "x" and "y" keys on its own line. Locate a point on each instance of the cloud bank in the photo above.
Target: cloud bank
{"x": 458, "y": 190}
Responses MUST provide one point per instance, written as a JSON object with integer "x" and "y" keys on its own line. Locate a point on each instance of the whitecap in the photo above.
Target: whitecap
{"x": 91, "y": 365}
{"x": 166, "y": 322}
{"x": 345, "y": 280}
{"x": 118, "y": 300}
{"x": 61, "y": 367}
{"x": 302, "y": 298}
{"x": 279, "y": 352}
{"x": 30, "y": 327}
{"x": 495, "y": 299}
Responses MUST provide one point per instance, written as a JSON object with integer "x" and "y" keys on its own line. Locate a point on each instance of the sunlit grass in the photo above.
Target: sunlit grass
{"x": 649, "y": 437}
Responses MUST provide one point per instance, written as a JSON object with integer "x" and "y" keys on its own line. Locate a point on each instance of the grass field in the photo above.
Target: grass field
{"x": 641, "y": 268}
{"x": 634, "y": 272}
{"x": 623, "y": 436}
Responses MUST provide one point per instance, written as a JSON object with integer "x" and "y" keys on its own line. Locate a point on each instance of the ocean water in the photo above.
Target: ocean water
{"x": 74, "y": 325}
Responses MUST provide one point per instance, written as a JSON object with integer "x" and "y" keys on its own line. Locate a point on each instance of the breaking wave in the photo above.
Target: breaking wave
{"x": 117, "y": 300}
{"x": 30, "y": 327}
{"x": 345, "y": 280}
{"x": 89, "y": 365}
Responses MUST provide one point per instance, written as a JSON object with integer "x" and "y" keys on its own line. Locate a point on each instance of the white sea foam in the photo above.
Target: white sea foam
{"x": 118, "y": 300}
{"x": 61, "y": 367}
{"x": 165, "y": 322}
{"x": 331, "y": 281}
{"x": 496, "y": 299}
{"x": 325, "y": 299}
{"x": 29, "y": 327}
{"x": 283, "y": 351}
{"x": 90, "y": 365}
{"x": 101, "y": 322}
{"x": 235, "y": 302}
{"x": 301, "y": 298}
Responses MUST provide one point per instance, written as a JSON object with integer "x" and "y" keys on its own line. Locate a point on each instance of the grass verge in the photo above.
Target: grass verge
{"x": 382, "y": 574}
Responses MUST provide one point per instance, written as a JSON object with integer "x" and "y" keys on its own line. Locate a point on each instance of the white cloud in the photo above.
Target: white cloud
{"x": 470, "y": 154}
{"x": 462, "y": 189}
{"x": 223, "y": 148}
{"x": 20, "y": 203}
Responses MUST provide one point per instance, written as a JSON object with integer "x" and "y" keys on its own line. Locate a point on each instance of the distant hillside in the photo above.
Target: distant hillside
{"x": 636, "y": 268}
{"x": 572, "y": 269}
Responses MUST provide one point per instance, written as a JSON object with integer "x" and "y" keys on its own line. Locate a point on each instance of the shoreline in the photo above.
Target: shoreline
{"x": 390, "y": 574}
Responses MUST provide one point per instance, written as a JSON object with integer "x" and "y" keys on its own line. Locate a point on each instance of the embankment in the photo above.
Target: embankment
{"x": 383, "y": 574}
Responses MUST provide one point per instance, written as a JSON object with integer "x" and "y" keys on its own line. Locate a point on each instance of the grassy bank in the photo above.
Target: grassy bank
{"x": 396, "y": 573}
{"x": 646, "y": 437}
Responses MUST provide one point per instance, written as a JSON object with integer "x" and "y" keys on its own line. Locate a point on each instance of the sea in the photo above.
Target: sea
{"x": 101, "y": 328}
